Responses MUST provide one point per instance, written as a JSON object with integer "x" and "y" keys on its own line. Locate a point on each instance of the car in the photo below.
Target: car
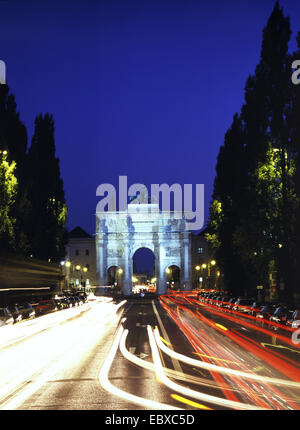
{"x": 208, "y": 298}
{"x": 17, "y": 315}
{"x": 242, "y": 304}
{"x": 254, "y": 309}
{"x": 212, "y": 300}
{"x": 200, "y": 295}
{"x": 45, "y": 306}
{"x": 221, "y": 301}
{"x": 26, "y": 310}
{"x": 72, "y": 301}
{"x": 78, "y": 300}
{"x": 59, "y": 304}
{"x": 265, "y": 312}
{"x": 203, "y": 297}
{"x": 230, "y": 303}
{"x": 281, "y": 315}
{"x": 294, "y": 320}
{"x": 83, "y": 297}
{"x": 217, "y": 300}
{"x": 64, "y": 303}
{"x": 6, "y": 317}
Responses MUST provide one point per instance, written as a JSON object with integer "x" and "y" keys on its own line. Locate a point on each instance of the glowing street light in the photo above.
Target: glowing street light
{"x": 197, "y": 267}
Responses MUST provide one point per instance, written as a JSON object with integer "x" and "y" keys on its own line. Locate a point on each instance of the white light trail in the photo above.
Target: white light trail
{"x": 150, "y": 366}
{"x": 51, "y": 351}
{"x": 106, "y": 384}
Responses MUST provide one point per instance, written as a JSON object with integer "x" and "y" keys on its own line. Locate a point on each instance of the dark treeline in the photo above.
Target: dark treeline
{"x": 32, "y": 201}
{"x": 254, "y": 213}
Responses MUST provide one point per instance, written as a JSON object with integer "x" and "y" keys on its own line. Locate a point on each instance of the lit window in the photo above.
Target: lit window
{"x": 200, "y": 250}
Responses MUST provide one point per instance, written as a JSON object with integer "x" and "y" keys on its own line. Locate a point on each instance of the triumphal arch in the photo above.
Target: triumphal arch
{"x": 119, "y": 234}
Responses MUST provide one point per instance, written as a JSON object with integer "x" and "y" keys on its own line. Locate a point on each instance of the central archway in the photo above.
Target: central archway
{"x": 143, "y": 269}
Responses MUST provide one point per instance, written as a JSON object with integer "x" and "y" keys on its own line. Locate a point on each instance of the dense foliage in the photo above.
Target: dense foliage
{"x": 32, "y": 201}
{"x": 254, "y": 214}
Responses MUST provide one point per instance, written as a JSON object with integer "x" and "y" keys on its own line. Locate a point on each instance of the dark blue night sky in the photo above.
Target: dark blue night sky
{"x": 145, "y": 89}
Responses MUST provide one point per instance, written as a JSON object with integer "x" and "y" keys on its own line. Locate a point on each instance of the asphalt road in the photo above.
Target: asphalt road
{"x": 110, "y": 356}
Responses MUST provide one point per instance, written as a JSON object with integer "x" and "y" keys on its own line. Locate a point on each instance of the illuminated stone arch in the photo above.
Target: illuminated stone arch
{"x": 120, "y": 234}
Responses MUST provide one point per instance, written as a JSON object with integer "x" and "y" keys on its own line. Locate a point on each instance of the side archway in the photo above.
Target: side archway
{"x": 115, "y": 276}
{"x": 173, "y": 277}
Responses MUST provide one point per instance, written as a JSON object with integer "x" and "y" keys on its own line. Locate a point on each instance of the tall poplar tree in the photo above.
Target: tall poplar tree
{"x": 261, "y": 234}
{"x": 47, "y": 228}
{"x": 13, "y": 140}
{"x": 225, "y": 209}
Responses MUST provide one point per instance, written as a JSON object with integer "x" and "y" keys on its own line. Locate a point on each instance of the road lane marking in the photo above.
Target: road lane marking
{"x": 189, "y": 402}
{"x": 140, "y": 325}
{"x": 279, "y": 346}
{"x": 175, "y": 362}
{"x": 222, "y": 327}
{"x": 143, "y": 355}
{"x": 165, "y": 341}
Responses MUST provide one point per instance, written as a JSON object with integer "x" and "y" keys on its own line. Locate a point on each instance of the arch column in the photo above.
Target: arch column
{"x": 162, "y": 278}
{"x": 185, "y": 281}
{"x": 102, "y": 263}
{"x": 127, "y": 279}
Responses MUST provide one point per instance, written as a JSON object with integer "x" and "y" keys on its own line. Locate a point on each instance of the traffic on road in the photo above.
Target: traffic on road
{"x": 185, "y": 351}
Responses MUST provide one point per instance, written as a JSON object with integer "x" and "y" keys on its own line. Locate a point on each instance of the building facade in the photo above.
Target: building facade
{"x": 205, "y": 271}
{"x": 80, "y": 262}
